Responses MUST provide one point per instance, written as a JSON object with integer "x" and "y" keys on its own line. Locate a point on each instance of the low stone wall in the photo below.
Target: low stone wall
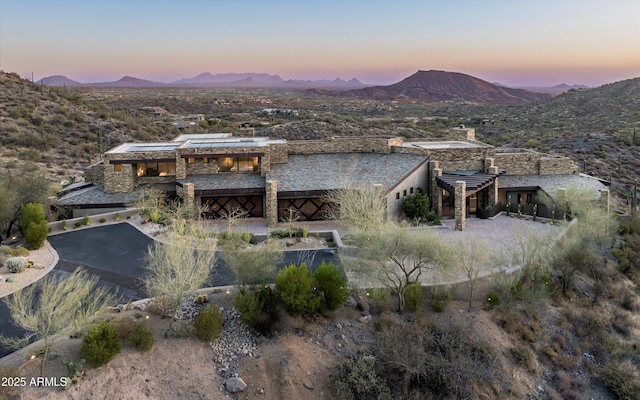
{"x": 57, "y": 226}
{"x": 518, "y": 162}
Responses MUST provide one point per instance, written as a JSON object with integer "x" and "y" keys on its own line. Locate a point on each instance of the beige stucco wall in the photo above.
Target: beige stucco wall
{"x": 417, "y": 179}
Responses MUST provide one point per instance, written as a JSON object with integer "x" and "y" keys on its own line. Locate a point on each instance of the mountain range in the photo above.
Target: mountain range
{"x": 424, "y": 86}
{"x": 206, "y": 79}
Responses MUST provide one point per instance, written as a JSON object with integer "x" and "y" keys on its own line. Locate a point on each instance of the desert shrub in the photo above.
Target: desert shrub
{"x": 440, "y": 299}
{"x": 380, "y": 297}
{"x": 427, "y": 360}
{"x": 207, "y": 324}
{"x": 258, "y": 309}
{"x": 85, "y": 220}
{"x": 524, "y": 356}
{"x": 141, "y": 336}
{"x": 124, "y": 326}
{"x": 332, "y": 284}
{"x": 100, "y": 344}
{"x": 532, "y": 143}
{"x": 18, "y": 252}
{"x": 493, "y": 300}
{"x": 34, "y": 225}
{"x": 16, "y": 264}
{"x": 287, "y": 233}
{"x": 357, "y": 379}
{"x": 295, "y": 287}
{"x": 413, "y": 297}
{"x": 103, "y": 220}
{"x": 8, "y": 391}
{"x": 622, "y": 379}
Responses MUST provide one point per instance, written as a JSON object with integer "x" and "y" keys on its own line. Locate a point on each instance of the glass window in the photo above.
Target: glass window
{"x": 205, "y": 160}
{"x": 166, "y": 168}
{"x": 152, "y": 169}
{"x": 225, "y": 164}
{"x": 141, "y": 169}
{"x": 397, "y": 195}
{"x": 191, "y": 160}
{"x": 117, "y": 167}
{"x": 238, "y": 164}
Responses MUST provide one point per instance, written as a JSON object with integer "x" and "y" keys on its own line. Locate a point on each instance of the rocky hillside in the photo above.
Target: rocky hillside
{"x": 438, "y": 86}
{"x": 60, "y": 129}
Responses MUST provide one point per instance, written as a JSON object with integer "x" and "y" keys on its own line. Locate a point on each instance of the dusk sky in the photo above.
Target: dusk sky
{"x": 512, "y": 42}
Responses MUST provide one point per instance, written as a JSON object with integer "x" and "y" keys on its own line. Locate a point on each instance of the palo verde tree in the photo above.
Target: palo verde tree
{"x": 56, "y": 306}
{"x": 252, "y": 264}
{"x": 473, "y": 261}
{"x": 397, "y": 257}
{"x": 176, "y": 270}
{"x": 358, "y": 205}
{"x": 584, "y": 244}
{"x": 34, "y": 225}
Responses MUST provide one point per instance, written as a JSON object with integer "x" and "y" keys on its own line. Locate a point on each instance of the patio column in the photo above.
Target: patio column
{"x": 460, "y": 205}
{"x": 493, "y": 188}
{"x": 190, "y": 197}
{"x": 271, "y": 203}
{"x": 436, "y": 195}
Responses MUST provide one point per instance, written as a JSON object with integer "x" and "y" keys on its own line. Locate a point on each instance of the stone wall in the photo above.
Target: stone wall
{"x": 518, "y": 162}
{"x": 199, "y": 167}
{"x": 278, "y": 153}
{"x": 550, "y": 165}
{"x": 462, "y": 133}
{"x": 95, "y": 173}
{"x": 121, "y": 181}
{"x": 344, "y": 144}
{"x": 453, "y": 159}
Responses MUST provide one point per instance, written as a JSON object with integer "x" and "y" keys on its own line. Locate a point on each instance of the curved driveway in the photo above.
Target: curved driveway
{"x": 116, "y": 253}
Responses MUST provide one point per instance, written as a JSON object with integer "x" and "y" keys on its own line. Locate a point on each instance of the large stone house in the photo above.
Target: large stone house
{"x": 266, "y": 177}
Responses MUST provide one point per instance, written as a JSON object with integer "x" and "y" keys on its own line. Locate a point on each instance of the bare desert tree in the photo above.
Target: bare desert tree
{"x": 177, "y": 270}
{"x": 358, "y": 205}
{"x": 473, "y": 259}
{"x": 252, "y": 265}
{"x": 56, "y": 306}
{"x": 397, "y": 257}
{"x": 232, "y": 218}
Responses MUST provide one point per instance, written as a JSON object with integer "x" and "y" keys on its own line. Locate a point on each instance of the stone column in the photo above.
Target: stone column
{"x": 271, "y": 203}
{"x": 461, "y": 205}
{"x": 434, "y": 190}
{"x": 190, "y": 197}
{"x": 488, "y": 163}
{"x": 181, "y": 168}
{"x": 436, "y": 195}
{"x": 493, "y": 188}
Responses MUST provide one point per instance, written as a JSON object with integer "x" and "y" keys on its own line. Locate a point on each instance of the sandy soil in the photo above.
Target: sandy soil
{"x": 45, "y": 259}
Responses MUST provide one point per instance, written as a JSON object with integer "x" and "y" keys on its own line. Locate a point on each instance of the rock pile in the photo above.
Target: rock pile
{"x": 235, "y": 341}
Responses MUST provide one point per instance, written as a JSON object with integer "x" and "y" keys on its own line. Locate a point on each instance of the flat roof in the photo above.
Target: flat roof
{"x": 229, "y": 142}
{"x": 142, "y": 147}
{"x": 551, "y": 183}
{"x": 183, "y": 138}
{"x": 453, "y": 144}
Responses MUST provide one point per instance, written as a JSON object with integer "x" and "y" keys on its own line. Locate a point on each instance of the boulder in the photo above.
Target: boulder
{"x": 235, "y": 385}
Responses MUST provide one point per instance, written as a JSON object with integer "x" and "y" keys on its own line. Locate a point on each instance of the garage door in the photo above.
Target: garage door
{"x": 305, "y": 209}
{"x": 220, "y": 206}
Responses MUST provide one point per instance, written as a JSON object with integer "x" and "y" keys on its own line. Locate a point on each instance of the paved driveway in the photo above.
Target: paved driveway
{"x": 116, "y": 253}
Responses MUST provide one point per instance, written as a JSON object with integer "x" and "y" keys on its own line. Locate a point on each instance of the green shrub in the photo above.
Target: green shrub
{"x": 332, "y": 284}
{"x": 416, "y": 206}
{"x": 246, "y": 237}
{"x": 16, "y": 264}
{"x": 258, "y": 309}
{"x": 117, "y": 217}
{"x": 64, "y": 224}
{"x": 34, "y": 225}
{"x": 207, "y": 324}
{"x": 493, "y": 300}
{"x": 142, "y": 336}
{"x": 77, "y": 225}
{"x": 440, "y": 300}
{"x": 357, "y": 379}
{"x": 287, "y": 233}
{"x": 100, "y": 344}
{"x": 413, "y": 297}
{"x": 295, "y": 287}
{"x": 103, "y": 220}
{"x": 85, "y": 220}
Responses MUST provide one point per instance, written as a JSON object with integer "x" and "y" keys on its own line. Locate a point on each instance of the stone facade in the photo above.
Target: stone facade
{"x": 271, "y": 203}
{"x": 460, "y": 205}
{"x": 345, "y": 144}
{"x": 95, "y": 173}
